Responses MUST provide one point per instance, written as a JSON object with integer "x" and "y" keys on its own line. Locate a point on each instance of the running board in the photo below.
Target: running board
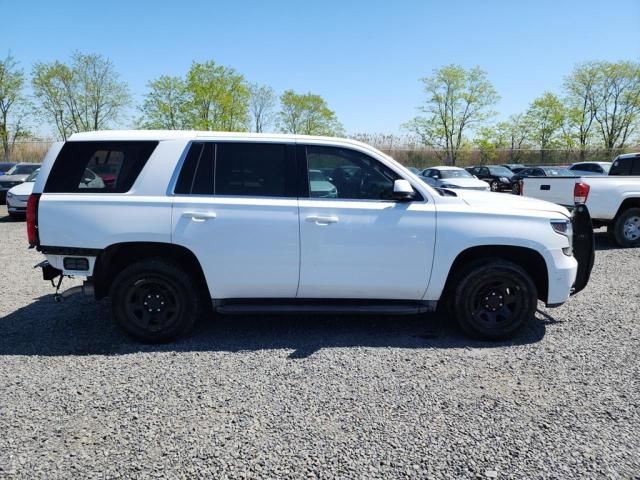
{"x": 322, "y": 306}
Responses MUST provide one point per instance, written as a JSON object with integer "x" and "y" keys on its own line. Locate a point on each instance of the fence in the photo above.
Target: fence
{"x": 418, "y": 157}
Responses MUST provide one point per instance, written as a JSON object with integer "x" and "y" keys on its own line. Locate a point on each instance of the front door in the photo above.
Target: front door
{"x": 356, "y": 241}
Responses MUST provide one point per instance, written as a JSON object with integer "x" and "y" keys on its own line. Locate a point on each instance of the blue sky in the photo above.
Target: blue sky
{"x": 364, "y": 57}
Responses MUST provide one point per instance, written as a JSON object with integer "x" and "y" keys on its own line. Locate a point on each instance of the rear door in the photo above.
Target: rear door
{"x": 362, "y": 243}
{"x": 235, "y": 207}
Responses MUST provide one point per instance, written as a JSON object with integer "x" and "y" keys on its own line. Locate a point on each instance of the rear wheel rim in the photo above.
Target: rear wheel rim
{"x": 631, "y": 228}
{"x": 497, "y": 303}
{"x": 153, "y": 304}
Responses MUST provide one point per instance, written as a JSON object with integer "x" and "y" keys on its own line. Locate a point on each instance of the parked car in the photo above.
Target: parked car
{"x": 452, "y": 177}
{"x": 18, "y": 196}
{"x": 613, "y": 200}
{"x": 4, "y": 167}
{"x": 320, "y": 187}
{"x": 541, "y": 171}
{"x": 627, "y": 164}
{"x": 14, "y": 176}
{"x": 514, "y": 167}
{"x": 200, "y": 219}
{"x": 497, "y": 176}
{"x": 590, "y": 168}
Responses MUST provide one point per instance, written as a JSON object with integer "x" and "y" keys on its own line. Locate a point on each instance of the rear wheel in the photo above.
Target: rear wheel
{"x": 494, "y": 299}
{"x": 155, "y": 301}
{"x": 515, "y": 188}
{"x": 626, "y": 228}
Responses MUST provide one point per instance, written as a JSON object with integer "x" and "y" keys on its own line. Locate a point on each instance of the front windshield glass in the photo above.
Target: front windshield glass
{"x": 22, "y": 169}
{"x": 504, "y": 171}
{"x": 316, "y": 176}
{"x": 455, "y": 174}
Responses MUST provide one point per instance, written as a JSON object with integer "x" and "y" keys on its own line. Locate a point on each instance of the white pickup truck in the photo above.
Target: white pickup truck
{"x": 613, "y": 200}
{"x": 184, "y": 221}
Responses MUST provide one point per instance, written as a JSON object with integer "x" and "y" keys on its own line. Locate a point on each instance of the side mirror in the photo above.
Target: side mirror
{"x": 403, "y": 191}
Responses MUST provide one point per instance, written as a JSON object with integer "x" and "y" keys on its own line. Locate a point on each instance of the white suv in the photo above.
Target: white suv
{"x": 186, "y": 220}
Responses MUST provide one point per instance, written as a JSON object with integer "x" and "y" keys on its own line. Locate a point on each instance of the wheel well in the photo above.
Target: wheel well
{"x": 113, "y": 259}
{"x": 530, "y": 260}
{"x": 627, "y": 204}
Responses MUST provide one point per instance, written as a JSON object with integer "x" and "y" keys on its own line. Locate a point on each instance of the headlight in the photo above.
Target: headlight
{"x": 504, "y": 179}
{"x": 564, "y": 228}
{"x": 9, "y": 195}
{"x": 448, "y": 185}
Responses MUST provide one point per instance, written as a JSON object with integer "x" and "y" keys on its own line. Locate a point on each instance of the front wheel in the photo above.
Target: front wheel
{"x": 494, "y": 186}
{"x": 155, "y": 301}
{"x": 494, "y": 299}
{"x": 626, "y": 228}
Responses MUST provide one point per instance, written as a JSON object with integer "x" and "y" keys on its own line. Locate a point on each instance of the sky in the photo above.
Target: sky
{"x": 364, "y": 57}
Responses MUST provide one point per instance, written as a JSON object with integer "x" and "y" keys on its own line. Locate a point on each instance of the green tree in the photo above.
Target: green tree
{"x": 581, "y": 105}
{"x": 166, "y": 105}
{"x": 545, "y": 118}
{"x": 13, "y": 105}
{"x": 261, "y": 107}
{"x": 458, "y": 100}
{"x": 85, "y": 95}
{"x": 617, "y": 95}
{"x": 307, "y": 114}
{"x": 219, "y": 97}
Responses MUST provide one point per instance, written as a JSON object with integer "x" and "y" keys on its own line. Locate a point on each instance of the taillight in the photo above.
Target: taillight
{"x": 32, "y": 220}
{"x": 580, "y": 193}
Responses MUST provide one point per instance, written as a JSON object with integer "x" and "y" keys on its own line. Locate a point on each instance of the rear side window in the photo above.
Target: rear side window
{"x": 196, "y": 176}
{"x": 105, "y": 167}
{"x": 621, "y": 166}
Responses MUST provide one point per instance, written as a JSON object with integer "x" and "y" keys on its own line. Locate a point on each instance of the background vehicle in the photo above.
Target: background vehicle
{"x": 590, "y": 168}
{"x": 4, "y": 167}
{"x": 628, "y": 164}
{"x": 14, "y": 176}
{"x": 231, "y": 219}
{"x": 514, "y": 167}
{"x": 497, "y": 176}
{"x": 544, "y": 171}
{"x": 452, "y": 177}
{"x": 613, "y": 201}
{"x": 320, "y": 187}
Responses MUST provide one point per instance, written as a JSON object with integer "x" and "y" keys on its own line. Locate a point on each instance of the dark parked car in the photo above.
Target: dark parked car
{"x": 541, "y": 171}
{"x": 5, "y": 167}
{"x": 497, "y": 176}
{"x": 627, "y": 164}
{"x": 591, "y": 168}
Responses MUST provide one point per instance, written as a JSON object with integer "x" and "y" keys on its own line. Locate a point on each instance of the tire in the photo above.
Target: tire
{"x": 155, "y": 301}
{"x": 626, "y": 228}
{"x": 491, "y": 282}
{"x": 494, "y": 186}
{"x": 515, "y": 188}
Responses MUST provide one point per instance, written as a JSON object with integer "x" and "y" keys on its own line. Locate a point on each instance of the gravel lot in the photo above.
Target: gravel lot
{"x": 318, "y": 397}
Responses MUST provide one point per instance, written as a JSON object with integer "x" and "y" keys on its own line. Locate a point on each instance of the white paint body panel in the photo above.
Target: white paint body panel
{"x": 267, "y": 247}
{"x": 606, "y": 193}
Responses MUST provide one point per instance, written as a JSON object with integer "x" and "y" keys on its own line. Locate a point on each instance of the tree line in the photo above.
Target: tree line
{"x": 598, "y": 107}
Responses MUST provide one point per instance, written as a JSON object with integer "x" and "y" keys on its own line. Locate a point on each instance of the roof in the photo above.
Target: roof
{"x": 628, "y": 155}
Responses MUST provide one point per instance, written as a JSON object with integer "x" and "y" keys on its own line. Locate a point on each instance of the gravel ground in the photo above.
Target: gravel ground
{"x": 319, "y": 397}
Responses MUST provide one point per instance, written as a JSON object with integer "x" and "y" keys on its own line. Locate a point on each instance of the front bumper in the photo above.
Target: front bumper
{"x": 16, "y": 205}
{"x": 583, "y": 246}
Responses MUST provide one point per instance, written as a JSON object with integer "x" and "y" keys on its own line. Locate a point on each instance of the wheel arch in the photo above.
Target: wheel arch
{"x": 113, "y": 259}
{"x": 627, "y": 203}
{"x": 529, "y": 259}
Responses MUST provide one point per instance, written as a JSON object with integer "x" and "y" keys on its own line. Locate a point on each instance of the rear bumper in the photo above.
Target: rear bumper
{"x": 583, "y": 246}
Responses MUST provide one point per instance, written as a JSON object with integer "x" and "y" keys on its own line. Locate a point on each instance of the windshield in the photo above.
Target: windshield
{"x": 504, "y": 171}
{"x": 316, "y": 176}
{"x": 455, "y": 174}
{"x": 22, "y": 169}
{"x": 33, "y": 176}
{"x": 559, "y": 172}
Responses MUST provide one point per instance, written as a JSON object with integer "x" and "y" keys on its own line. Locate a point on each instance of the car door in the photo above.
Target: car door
{"x": 362, "y": 243}
{"x": 235, "y": 207}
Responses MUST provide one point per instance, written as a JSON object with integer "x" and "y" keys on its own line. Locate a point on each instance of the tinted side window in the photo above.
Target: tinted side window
{"x": 252, "y": 169}
{"x": 110, "y": 167}
{"x": 621, "y": 166}
{"x": 635, "y": 168}
{"x": 349, "y": 175}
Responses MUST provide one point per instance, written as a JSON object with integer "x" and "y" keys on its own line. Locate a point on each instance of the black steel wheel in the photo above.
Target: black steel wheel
{"x": 493, "y": 300}
{"x": 155, "y": 301}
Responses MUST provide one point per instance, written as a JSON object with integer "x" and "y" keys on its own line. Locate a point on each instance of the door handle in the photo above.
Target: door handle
{"x": 322, "y": 220}
{"x": 200, "y": 216}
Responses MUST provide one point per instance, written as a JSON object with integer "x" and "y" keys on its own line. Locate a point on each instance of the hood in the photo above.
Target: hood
{"x": 506, "y": 201}
{"x": 24, "y": 189}
{"x": 463, "y": 182}
{"x": 14, "y": 178}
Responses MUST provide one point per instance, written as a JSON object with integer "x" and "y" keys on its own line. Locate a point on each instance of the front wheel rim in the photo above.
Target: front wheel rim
{"x": 494, "y": 186}
{"x": 497, "y": 303}
{"x": 153, "y": 304}
{"x": 631, "y": 228}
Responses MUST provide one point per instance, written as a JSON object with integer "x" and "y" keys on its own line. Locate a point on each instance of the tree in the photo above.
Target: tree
{"x": 618, "y": 102}
{"x": 219, "y": 97}
{"x": 581, "y": 105}
{"x": 12, "y": 105}
{"x": 86, "y": 95}
{"x": 545, "y": 117}
{"x": 307, "y": 114}
{"x": 166, "y": 106}
{"x": 457, "y": 100}
{"x": 261, "y": 107}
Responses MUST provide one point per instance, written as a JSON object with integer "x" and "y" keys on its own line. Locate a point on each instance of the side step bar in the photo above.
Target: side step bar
{"x": 316, "y": 306}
